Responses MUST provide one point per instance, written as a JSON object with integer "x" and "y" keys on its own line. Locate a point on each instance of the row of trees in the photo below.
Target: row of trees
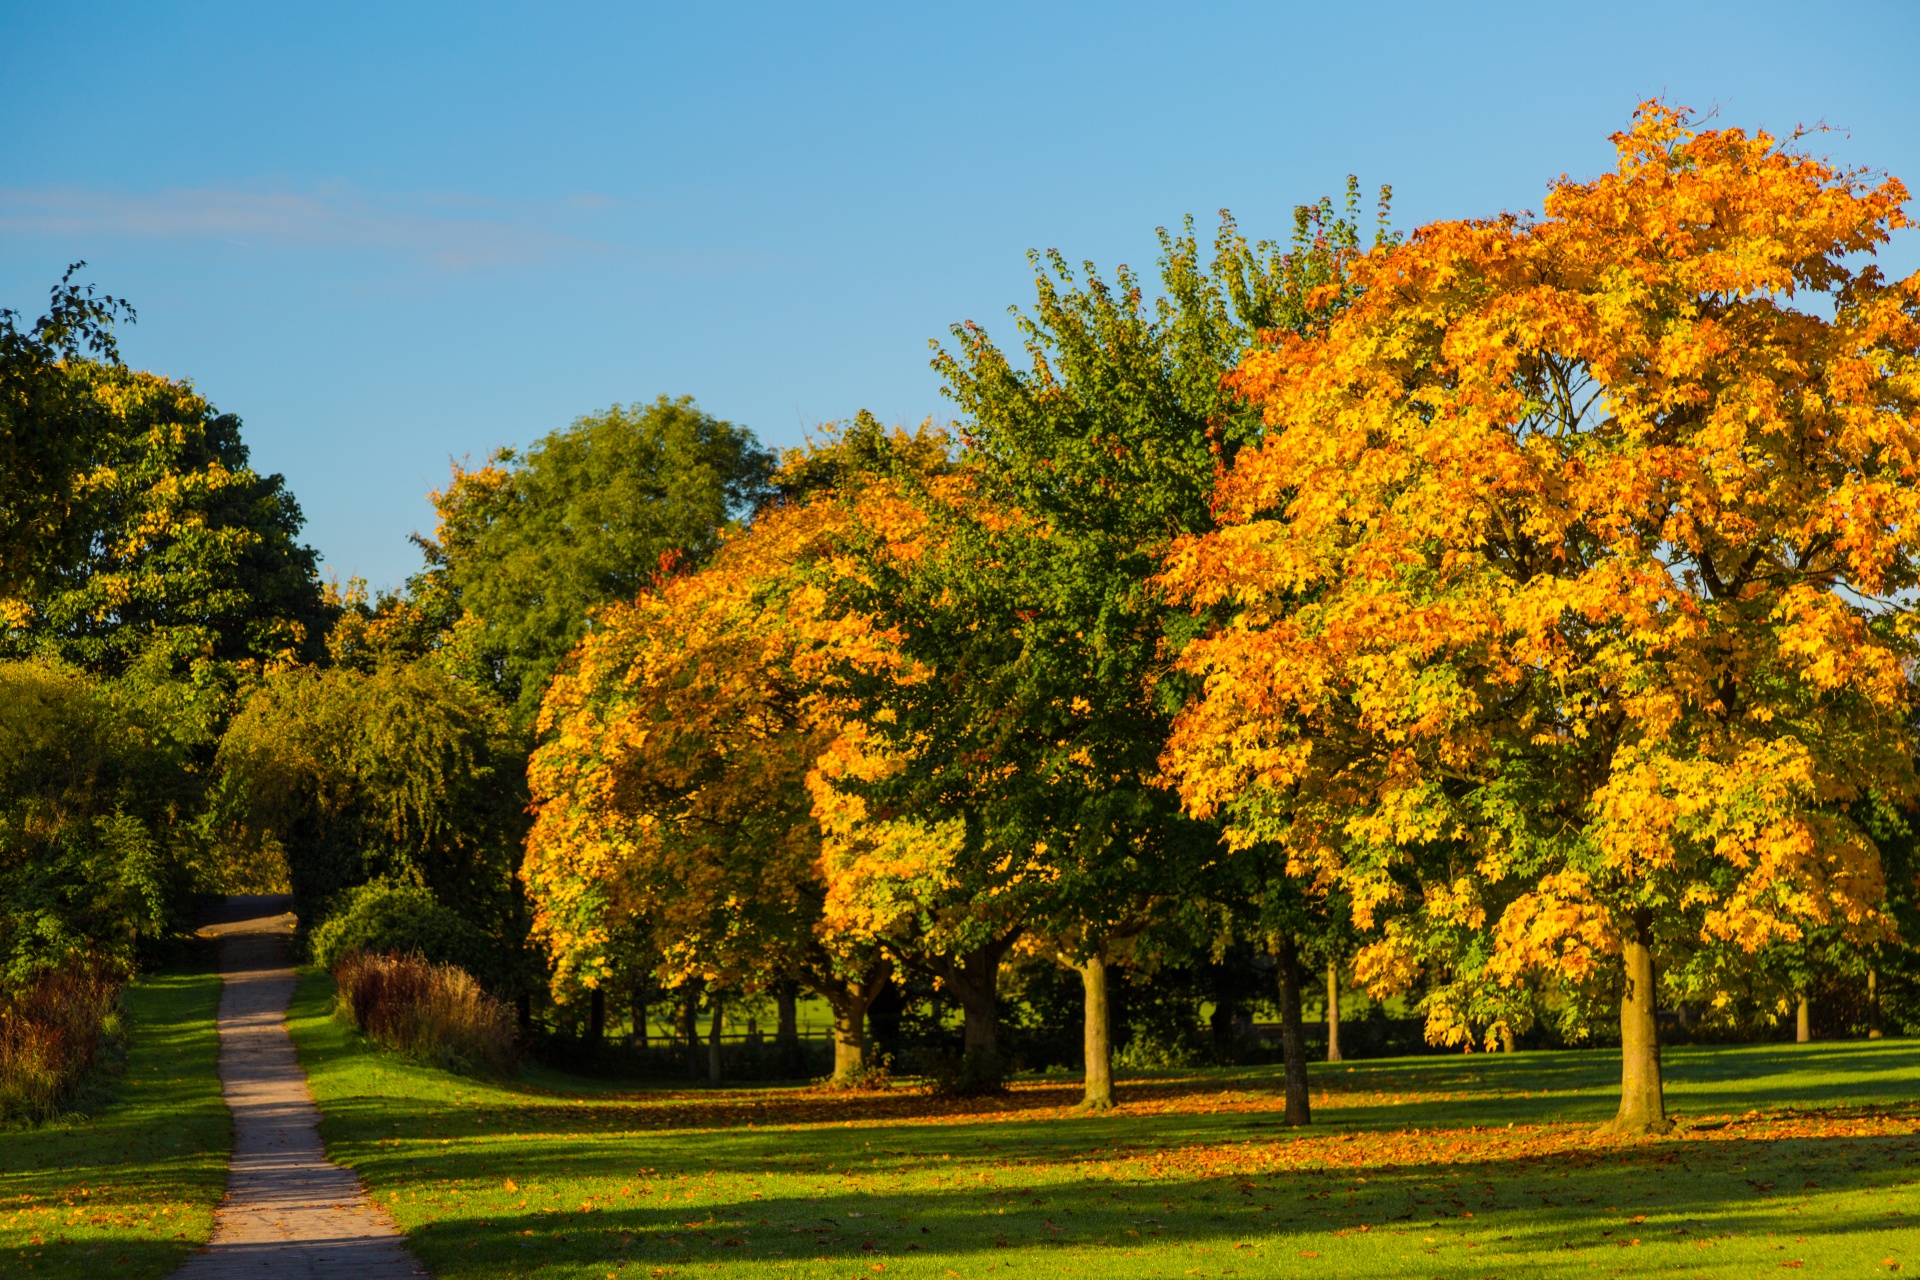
{"x": 1529, "y": 601}
{"x": 1519, "y": 612}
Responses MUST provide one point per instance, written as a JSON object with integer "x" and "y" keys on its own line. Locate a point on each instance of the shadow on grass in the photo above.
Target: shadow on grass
{"x": 1413, "y": 1151}
{"x": 1518, "y": 1205}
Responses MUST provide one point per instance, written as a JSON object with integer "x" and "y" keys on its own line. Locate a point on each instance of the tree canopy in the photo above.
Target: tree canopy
{"x": 1571, "y": 585}
{"x": 530, "y": 543}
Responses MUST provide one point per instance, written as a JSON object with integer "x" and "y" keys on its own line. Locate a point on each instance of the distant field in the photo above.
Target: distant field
{"x": 127, "y": 1191}
{"x": 1797, "y": 1157}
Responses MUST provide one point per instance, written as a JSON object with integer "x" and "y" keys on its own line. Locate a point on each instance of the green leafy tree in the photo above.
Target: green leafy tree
{"x": 530, "y": 543}
{"x": 403, "y": 773}
{"x": 49, "y": 423}
{"x": 1043, "y": 722}
{"x": 186, "y": 547}
{"x": 98, "y": 848}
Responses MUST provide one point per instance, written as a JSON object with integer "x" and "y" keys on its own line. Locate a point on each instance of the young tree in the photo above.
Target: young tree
{"x": 1572, "y": 583}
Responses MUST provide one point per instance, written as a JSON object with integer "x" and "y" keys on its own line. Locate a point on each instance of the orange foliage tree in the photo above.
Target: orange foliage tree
{"x": 671, "y": 787}
{"x": 1571, "y": 587}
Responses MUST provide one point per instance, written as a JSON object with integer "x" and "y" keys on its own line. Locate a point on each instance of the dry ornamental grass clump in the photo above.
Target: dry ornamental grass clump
{"x": 434, "y": 1012}
{"x": 51, "y": 1030}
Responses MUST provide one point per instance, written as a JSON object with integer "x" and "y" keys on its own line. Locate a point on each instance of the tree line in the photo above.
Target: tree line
{"x": 1516, "y": 615}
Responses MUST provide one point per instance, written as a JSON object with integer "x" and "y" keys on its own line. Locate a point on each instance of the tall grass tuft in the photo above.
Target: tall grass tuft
{"x": 433, "y": 1012}
{"x": 51, "y": 1031}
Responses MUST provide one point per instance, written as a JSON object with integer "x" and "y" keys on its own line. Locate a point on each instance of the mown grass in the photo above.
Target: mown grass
{"x": 1796, "y": 1157}
{"x": 125, "y": 1186}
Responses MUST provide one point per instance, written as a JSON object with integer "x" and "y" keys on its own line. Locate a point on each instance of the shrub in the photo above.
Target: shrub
{"x": 51, "y": 1030}
{"x": 389, "y": 917}
{"x": 436, "y": 1013}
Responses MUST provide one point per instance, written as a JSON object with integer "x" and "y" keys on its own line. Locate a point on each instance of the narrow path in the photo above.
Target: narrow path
{"x": 290, "y": 1213}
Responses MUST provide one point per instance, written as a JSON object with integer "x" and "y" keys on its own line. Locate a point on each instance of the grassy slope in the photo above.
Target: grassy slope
{"x": 129, "y": 1190}
{"x": 1411, "y": 1170}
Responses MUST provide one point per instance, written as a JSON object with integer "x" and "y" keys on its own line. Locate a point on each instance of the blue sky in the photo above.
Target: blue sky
{"x": 392, "y": 235}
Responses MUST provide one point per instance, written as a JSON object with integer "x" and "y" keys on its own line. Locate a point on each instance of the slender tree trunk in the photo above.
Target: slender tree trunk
{"x": 690, "y": 1028}
{"x": 1874, "y": 1031}
{"x": 1293, "y": 1039}
{"x": 1099, "y": 1036}
{"x": 640, "y": 1020}
{"x": 1803, "y": 1021}
{"x": 1333, "y": 1011}
{"x": 1643, "y": 1108}
{"x": 597, "y": 1017}
{"x": 713, "y": 1042}
{"x": 787, "y": 1037}
{"x": 1506, "y": 1040}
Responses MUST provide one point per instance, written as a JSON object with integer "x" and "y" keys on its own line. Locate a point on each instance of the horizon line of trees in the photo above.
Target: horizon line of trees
{"x": 1516, "y": 615}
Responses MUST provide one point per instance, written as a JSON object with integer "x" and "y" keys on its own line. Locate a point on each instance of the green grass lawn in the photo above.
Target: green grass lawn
{"x": 126, "y": 1187}
{"x": 1799, "y": 1157}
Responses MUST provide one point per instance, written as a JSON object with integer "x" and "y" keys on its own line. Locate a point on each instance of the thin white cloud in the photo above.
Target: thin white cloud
{"x": 444, "y": 230}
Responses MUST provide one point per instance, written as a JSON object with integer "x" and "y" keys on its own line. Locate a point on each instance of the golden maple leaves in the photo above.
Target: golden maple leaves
{"x": 1573, "y": 557}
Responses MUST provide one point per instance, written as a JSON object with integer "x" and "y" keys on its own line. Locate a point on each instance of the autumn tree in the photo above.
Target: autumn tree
{"x": 1571, "y": 585}
{"x": 671, "y": 783}
{"x": 184, "y": 546}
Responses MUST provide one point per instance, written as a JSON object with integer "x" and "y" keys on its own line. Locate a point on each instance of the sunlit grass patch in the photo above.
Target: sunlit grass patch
{"x": 127, "y": 1191}
{"x": 1453, "y": 1166}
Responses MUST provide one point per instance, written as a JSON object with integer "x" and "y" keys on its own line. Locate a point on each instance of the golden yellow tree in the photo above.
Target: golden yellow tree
{"x": 1572, "y": 584}
{"x": 671, "y": 788}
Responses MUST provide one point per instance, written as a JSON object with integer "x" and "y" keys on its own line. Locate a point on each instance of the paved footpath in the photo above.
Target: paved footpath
{"x": 290, "y": 1213}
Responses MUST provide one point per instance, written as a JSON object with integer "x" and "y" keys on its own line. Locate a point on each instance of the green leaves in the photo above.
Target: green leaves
{"x": 532, "y": 543}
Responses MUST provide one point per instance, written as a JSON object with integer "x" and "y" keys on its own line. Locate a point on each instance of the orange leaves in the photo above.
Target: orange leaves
{"x": 1574, "y": 555}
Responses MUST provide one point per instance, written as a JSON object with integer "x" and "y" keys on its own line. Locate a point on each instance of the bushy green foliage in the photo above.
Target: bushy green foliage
{"x": 403, "y": 772}
{"x": 49, "y": 427}
{"x": 182, "y": 545}
{"x": 97, "y": 850}
{"x": 131, "y": 515}
{"x": 393, "y": 917}
{"x": 588, "y": 515}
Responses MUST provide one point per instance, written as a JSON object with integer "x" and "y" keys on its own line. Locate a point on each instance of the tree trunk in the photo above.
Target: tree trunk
{"x": 1293, "y": 1039}
{"x": 1333, "y": 1011}
{"x": 849, "y": 1001}
{"x": 1874, "y": 1031}
{"x": 713, "y": 1043}
{"x": 640, "y": 1021}
{"x": 597, "y": 1017}
{"x": 1506, "y": 1040}
{"x": 690, "y": 1029}
{"x": 787, "y": 1037}
{"x": 1099, "y": 1037}
{"x": 1803, "y": 1021}
{"x": 1643, "y": 1107}
{"x": 974, "y": 980}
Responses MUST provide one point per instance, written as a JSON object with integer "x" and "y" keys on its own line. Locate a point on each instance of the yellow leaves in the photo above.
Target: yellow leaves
{"x": 1573, "y": 532}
